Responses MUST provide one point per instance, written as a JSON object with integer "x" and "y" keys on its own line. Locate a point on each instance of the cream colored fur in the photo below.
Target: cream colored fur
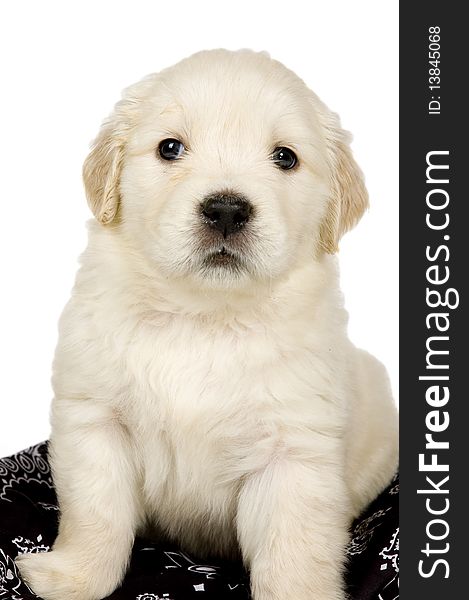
{"x": 224, "y": 409}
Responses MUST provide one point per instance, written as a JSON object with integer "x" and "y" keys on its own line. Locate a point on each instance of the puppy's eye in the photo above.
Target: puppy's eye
{"x": 171, "y": 149}
{"x": 284, "y": 158}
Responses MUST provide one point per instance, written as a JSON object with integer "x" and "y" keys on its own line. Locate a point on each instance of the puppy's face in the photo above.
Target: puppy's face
{"x": 224, "y": 169}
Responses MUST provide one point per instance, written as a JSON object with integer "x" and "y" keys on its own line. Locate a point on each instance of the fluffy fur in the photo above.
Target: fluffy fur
{"x": 221, "y": 405}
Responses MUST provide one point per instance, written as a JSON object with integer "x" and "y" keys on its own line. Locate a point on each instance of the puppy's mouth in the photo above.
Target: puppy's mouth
{"x": 222, "y": 258}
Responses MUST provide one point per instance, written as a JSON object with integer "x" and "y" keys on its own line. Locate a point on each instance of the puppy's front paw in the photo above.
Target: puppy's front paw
{"x": 56, "y": 576}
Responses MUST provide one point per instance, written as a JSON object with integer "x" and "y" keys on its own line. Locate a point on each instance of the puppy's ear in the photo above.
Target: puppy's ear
{"x": 349, "y": 198}
{"x": 103, "y": 165}
{"x": 101, "y": 173}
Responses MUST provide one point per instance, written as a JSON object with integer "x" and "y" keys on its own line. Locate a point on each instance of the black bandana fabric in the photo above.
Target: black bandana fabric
{"x": 161, "y": 571}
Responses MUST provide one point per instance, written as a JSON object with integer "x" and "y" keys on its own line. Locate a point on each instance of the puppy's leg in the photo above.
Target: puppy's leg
{"x": 372, "y": 439}
{"x": 96, "y": 487}
{"x": 292, "y": 527}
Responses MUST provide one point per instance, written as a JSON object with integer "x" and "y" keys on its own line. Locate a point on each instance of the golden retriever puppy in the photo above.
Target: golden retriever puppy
{"x": 204, "y": 382}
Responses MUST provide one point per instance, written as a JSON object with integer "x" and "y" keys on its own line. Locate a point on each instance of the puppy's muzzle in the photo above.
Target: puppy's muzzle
{"x": 228, "y": 213}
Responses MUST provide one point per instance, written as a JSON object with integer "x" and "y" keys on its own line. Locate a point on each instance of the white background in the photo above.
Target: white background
{"x": 63, "y": 67}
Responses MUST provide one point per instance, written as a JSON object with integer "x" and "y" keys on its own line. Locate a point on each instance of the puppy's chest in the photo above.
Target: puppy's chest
{"x": 220, "y": 382}
{"x": 182, "y": 372}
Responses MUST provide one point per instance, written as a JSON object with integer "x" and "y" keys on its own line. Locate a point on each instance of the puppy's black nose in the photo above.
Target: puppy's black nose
{"x": 228, "y": 213}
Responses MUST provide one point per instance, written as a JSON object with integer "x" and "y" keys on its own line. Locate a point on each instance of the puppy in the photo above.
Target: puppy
{"x": 204, "y": 383}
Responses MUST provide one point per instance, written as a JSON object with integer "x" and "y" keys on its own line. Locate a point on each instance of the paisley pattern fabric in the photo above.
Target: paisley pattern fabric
{"x": 28, "y": 523}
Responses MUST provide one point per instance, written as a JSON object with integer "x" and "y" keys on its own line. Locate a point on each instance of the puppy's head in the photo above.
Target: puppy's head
{"x": 225, "y": 169}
